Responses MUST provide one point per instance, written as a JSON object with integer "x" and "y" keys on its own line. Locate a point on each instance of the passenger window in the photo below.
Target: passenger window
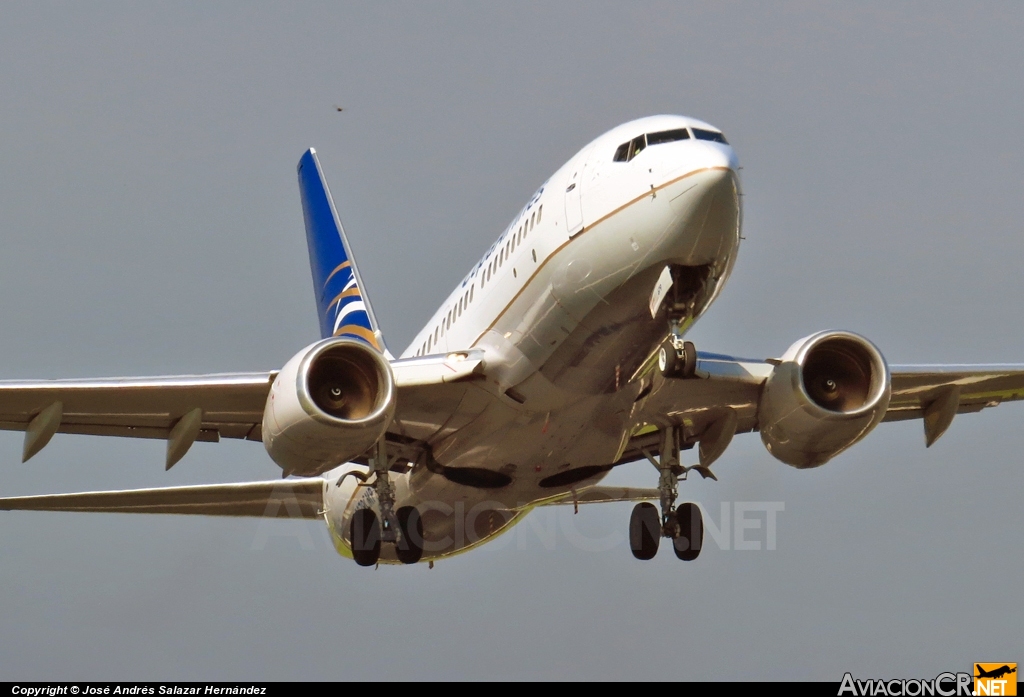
{"x": 667, "y": 136}
{"x": 471, "y": 294}
{"x": 535, "y": 255}
{"x": 701, "y": 134}
{"x": 540, "y": 212}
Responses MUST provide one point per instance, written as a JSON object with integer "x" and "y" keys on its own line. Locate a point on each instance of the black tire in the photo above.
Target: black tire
{"x": 365, "y": 531}
{"x": 668, "y": 360}
{"x": 688, "y": 364}
{"x": 690, "y": 540}
{"x": 644, "y": 531}
{"x": 409, "y": 549}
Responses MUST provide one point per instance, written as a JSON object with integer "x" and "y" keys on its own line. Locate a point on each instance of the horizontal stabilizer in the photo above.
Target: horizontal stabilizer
{"x": 291, "y": 498}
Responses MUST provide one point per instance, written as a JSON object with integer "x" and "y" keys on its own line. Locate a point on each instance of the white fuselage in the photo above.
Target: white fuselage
{"x": 559, "y": 306}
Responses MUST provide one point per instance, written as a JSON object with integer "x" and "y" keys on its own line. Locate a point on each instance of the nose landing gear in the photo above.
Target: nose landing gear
{"x": 683, "y": 525}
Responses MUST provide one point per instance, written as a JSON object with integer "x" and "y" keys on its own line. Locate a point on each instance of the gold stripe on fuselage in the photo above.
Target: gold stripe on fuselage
{"x": 597, "y": 222}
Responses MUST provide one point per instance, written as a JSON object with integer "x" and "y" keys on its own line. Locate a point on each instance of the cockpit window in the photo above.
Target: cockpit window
{"x": 627, "y": 151}
{"x": 701, "y": 134}
{"x": 636, "y": 145}
{"x": 667, "y": 136}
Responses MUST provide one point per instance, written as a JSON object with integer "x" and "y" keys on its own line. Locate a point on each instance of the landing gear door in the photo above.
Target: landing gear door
{"x": 573, "y": 194}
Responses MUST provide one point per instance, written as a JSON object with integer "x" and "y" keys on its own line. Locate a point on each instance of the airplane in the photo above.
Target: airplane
{"x": 560, "y": 356}
{"x": 995, "y": 673}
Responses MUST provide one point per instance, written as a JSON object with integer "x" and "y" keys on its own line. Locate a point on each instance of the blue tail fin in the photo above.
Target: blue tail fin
{"x": 341, "y": 298}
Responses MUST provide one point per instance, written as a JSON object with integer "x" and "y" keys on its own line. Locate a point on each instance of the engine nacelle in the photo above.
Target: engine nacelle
{"x": 328, "y": 405}
{"x": 829, "y": 390}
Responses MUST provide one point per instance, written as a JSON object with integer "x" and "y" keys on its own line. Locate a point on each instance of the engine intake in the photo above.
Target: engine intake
{"x": 329, "y": 404}
{"x": 828, "y": 391}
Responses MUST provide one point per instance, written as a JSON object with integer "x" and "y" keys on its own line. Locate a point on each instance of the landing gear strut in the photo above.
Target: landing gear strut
{"x": 683, "y": 525}
{"x": 402, "y": 528}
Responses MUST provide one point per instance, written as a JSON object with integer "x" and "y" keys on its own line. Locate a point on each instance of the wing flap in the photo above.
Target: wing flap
{"x": 288, "y": 498}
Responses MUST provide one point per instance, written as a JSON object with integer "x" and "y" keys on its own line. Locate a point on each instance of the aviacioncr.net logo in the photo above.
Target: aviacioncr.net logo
{"x": 995, "y": 679}
{"x": 943, "y": 685}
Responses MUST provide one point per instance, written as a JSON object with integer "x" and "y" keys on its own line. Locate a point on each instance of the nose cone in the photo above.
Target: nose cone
{"x": 699, "y": 156}
{"x": 709, "y": 155}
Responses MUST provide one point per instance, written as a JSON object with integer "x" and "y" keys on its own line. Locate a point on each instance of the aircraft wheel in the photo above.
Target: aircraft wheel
{"x": 672, "y": 365}
{"x": 689, "y": 360}
{"x": 644, "y": 531}
{"x": 687, "y": 544}
{"x": 668, "y": 359}
{"x": 365, "y": 530}
{"x": 410, "y": 543}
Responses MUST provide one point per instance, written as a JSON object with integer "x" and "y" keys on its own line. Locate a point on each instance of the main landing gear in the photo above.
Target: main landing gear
{"x": 683, "y": 525}
{"x": 677, "y": 358}
{"x": 402, "y": 528}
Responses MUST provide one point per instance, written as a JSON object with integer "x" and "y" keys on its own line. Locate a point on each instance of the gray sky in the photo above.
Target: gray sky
{"x": 151, "y": 224}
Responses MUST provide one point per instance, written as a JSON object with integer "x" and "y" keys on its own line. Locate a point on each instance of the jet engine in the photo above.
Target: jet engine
{"x": 827, "y": 392}
{"x": 328, "y": 405}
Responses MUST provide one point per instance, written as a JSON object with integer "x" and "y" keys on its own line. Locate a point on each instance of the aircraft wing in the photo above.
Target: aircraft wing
{"x": 933, "y": 393}
{"x": 208, "y": 407}
{"x": 602, "y": 494}
{"x": 977, "y": 387}
{"x": 187, "y": 408}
